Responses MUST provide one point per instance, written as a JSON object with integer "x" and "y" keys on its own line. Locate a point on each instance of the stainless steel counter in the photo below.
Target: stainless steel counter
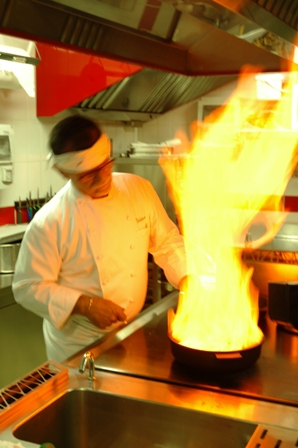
{"x": 6, "y": 295}
{"x": 12, "y": 232}
{"x": 135, "y": 362}
{"x": 141, "y": 351}
{"x": 21, "y": 339}
{"x": 147, "y": 354}
{"x": 206, "y": 403}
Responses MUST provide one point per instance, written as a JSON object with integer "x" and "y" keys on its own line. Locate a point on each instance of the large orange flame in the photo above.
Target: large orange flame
{"x": 237, "y": 166}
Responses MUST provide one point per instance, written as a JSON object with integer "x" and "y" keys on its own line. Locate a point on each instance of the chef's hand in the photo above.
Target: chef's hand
{"x": 101, "y": 312}
{"x": 185, "y": 282}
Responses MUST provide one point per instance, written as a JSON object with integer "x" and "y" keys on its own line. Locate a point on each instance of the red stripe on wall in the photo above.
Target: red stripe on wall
{"x": 150, "y": 13}
{"x": 7, "y": 216}
{"x": 291, "y": 203}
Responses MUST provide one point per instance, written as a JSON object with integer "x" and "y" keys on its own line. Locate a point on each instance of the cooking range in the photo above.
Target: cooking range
{"x": 146, "y": 353}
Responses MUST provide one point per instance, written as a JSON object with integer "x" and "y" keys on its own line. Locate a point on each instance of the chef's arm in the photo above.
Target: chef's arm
{"x": 167, "y": 244}
{"x": 35, "y": 285}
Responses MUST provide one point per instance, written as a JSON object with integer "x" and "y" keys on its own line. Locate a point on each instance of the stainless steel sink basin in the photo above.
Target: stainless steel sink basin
{"x": 83, "y": 418}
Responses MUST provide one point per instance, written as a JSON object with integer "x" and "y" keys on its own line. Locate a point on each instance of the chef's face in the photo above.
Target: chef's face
{"x": 96, "y": 182}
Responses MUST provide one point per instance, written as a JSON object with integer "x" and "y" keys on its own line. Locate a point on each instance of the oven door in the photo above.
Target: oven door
{"x": 22, "y": 344}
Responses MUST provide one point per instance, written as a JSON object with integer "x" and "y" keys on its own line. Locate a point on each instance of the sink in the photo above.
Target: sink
{"x": 84, "y": 418}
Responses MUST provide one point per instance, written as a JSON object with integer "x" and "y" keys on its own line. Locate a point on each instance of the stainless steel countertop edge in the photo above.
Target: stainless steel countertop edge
{"x": 256, "y": 411}
{"x": 233, "y": 407}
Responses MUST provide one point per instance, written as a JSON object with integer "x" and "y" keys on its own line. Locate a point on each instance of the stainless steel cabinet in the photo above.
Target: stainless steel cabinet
{"x": 21, "y": 339}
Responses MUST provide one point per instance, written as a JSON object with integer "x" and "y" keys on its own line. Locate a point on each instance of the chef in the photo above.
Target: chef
{"x": 82, "y": 265}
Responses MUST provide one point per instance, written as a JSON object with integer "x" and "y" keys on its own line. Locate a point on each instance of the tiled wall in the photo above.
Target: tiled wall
{"x": 31, "y": 135}
{"x": 31, "y": 172}
{"x": 29, "y": 151}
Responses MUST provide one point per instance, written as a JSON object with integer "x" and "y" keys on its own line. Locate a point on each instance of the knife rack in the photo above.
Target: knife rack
{"x": 26, "y": 209}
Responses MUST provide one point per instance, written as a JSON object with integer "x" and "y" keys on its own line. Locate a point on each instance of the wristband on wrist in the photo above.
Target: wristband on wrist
{"x": 89, "y": 305}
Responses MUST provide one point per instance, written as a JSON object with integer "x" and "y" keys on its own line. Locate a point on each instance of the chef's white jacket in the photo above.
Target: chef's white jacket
{"x": 99, "y": 247}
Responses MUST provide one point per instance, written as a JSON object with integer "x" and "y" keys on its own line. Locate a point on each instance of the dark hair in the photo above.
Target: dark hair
{"x": 74, "y": 133}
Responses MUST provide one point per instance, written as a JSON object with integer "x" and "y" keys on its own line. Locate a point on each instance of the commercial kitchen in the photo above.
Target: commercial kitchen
{"x": 147, "y": 71}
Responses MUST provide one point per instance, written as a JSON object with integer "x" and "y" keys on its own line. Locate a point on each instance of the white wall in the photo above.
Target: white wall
{"x": 166, "y": 126}
{"x": 29, "y": 151}
{"x": 31, "y": 136}
{"x": 31, "y": 172}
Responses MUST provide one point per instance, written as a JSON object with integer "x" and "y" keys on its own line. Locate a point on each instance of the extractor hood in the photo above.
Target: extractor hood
{"x": 207, "y": 37}
{"x": 147, "y": 95}
{"x": 187, "y": 48}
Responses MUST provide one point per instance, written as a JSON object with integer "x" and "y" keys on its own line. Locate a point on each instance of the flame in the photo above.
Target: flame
{"x": 233, "y": 172}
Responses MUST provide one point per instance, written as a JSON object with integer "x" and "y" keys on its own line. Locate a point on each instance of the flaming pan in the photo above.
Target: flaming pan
{"x": 208, "y": 361}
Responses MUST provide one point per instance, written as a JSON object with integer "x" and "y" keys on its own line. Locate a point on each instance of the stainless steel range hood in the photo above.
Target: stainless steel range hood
{"x": 187, "y": 48}
{"x": 146, "y": 95}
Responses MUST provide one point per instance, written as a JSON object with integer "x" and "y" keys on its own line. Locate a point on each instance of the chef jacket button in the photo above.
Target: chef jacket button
{"x": 127, "y": 217}
{"x": 132, "y": 274}
{"x": 104, "y": 282}
{"x": 131, "y": 300}
{"x": 132, "y": 246}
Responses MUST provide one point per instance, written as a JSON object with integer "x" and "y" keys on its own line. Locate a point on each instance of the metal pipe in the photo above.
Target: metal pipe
{"x": 87, "y": 358}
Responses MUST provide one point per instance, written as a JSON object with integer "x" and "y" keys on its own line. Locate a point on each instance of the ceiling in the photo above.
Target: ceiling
{"x": 187, "y": 48}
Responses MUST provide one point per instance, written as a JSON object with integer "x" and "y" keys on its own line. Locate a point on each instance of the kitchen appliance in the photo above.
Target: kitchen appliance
{"x": 275, "y": 261}
{"x": 22, "y": 345}
{"x": 8, "y": 257}
{"x": 146, "y": 353}
{"x": 190, "y": 37}
{"x": 6, "y": 148}
{"x": 209, "y": 361}
{"x": 187, "y": 48}
{"x": 283, "y": 304}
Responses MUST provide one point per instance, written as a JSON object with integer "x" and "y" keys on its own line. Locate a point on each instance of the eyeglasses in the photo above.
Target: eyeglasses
{"x": 91, "y": 175}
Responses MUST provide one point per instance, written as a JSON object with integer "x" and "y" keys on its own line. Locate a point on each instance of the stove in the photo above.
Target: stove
{"x": 146, "y": 353}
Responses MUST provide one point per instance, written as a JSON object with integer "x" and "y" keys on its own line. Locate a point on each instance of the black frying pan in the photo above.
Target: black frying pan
{"x": 215, "y": 361}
